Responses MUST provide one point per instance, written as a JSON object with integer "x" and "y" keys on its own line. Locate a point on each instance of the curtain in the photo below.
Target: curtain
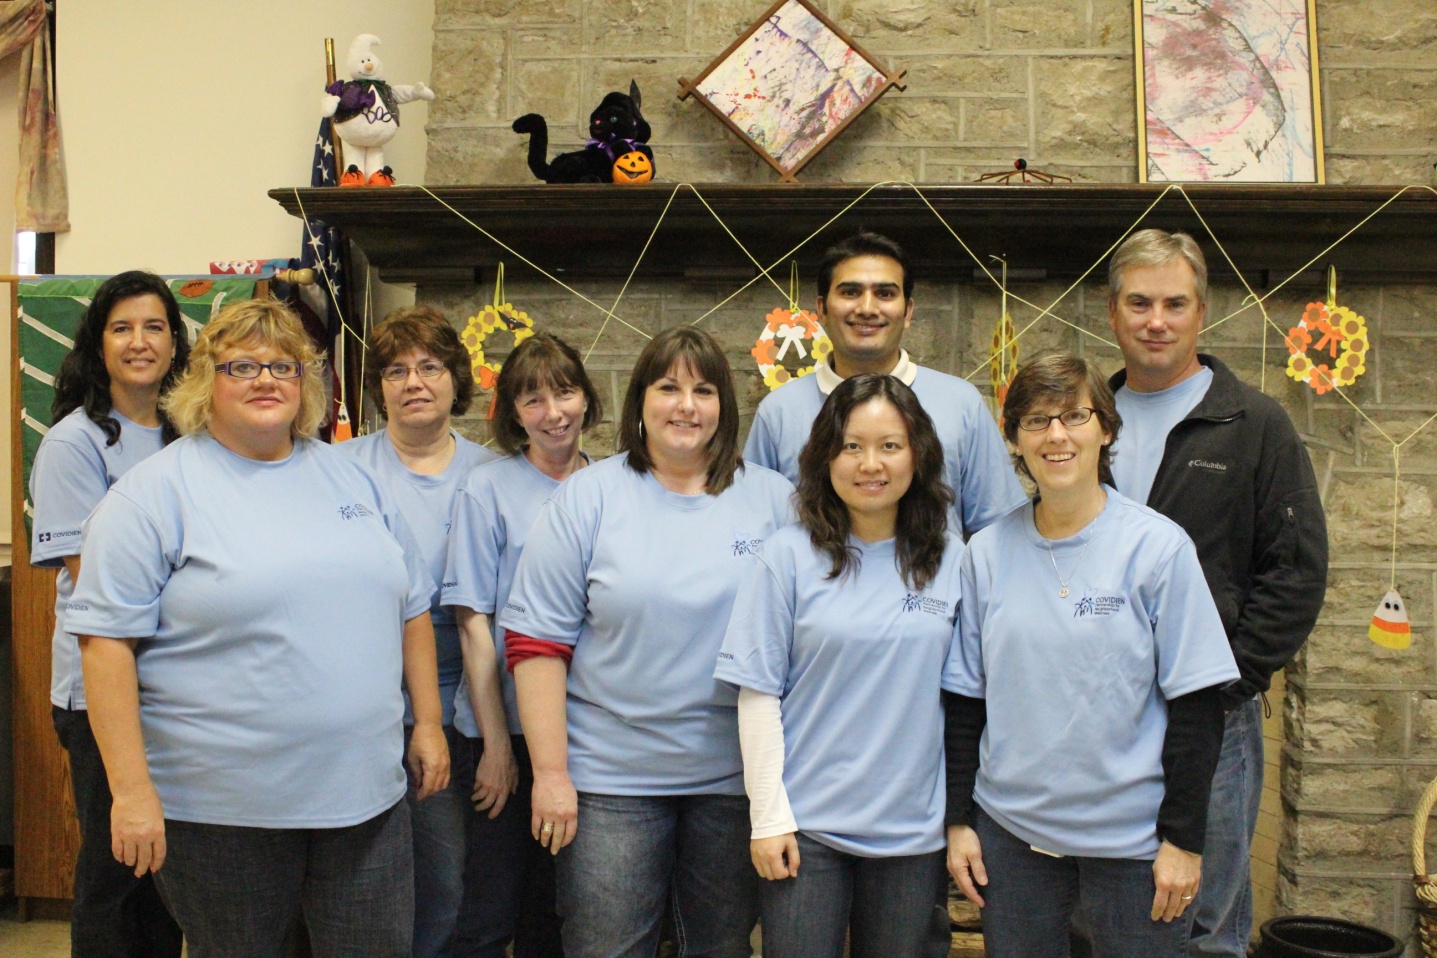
{"x": 42, "y": 201}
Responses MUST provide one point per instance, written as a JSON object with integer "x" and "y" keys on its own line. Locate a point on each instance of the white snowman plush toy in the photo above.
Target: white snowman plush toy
{"x": 365, "y": 110}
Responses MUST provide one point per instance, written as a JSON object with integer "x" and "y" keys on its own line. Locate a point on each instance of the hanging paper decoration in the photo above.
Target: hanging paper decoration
{"x": 1337, "y": 333}
{"x": 1390, "y": 627}
{"x": 1003, "y": 360}
{"x": 499, "y": 316}
{"x": 791, "y": 335}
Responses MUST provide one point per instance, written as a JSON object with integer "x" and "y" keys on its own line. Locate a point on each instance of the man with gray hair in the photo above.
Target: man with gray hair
{"x": 1224, "y": 461}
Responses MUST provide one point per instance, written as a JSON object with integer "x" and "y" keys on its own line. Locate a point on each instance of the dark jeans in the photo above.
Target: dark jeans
{"x": 115, "y": 914}
{"x": 437, "y": 824}
{"x": 890, "y": 907}
{"x": 1031, "y": 898}
{"x": 634, "y": 852}
{"x": 508, "y": 876}
{"x": 236, "y": 890}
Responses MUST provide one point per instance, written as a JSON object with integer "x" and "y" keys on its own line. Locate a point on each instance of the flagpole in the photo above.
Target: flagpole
{"x": 329, "y": 78}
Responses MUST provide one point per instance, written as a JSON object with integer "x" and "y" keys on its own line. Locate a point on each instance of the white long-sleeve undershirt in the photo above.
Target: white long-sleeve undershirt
{"x": 760, "y": 737}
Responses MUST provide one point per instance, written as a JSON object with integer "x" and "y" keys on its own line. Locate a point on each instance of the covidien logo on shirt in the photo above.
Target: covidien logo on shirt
{"x": 913, "y": 602}
{"x": 357, "y": 511}
{"x": 745, "y": 544}
{"x": 1099, "y": 605}
{"x": 52, "y": 536}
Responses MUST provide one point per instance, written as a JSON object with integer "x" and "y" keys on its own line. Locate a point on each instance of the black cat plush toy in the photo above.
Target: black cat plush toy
{"x": 617, "y": 151}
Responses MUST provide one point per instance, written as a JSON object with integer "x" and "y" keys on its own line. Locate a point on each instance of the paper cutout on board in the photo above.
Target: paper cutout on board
{"x": 1390, "y": 628}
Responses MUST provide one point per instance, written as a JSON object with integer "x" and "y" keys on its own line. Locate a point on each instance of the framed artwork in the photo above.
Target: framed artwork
{"x": 790, "y": 84}
{"x": 1228, "y": 91}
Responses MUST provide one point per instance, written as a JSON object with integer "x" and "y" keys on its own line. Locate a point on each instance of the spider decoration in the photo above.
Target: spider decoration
{"x": 1020, "y": 169}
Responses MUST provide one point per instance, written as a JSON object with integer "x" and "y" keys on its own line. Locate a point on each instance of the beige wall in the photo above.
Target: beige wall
{"x": 178, "y": 116}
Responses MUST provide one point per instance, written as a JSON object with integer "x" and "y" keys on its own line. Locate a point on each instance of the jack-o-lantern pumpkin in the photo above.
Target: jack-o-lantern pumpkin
{"x": 633, "y": 167}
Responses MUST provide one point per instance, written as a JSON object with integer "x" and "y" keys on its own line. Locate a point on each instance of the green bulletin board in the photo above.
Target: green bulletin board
{"x": 49, "y": 313}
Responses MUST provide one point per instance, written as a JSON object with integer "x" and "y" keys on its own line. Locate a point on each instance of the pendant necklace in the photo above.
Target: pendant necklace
{"x": 1063, "y": 583}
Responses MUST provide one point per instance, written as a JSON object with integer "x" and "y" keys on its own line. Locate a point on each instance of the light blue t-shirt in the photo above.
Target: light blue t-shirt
{"x": 269, "y": 600}
{"x": 975, "y": 460}
{"x": 641, "y": 581}
{"x": 426, "y": 503}
{"x": 493, "y": 513}
{"x": 1077, "y": 687}
{"x": 857, "y": 662}
{"x": 1147, "y": 420}
{"x": 73, "y": 470}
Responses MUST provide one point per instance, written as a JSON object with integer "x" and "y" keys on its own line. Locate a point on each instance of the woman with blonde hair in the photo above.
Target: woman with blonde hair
{"x": 249, "y": 604}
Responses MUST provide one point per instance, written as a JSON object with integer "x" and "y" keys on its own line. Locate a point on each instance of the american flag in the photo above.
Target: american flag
{"x": 323, "y": 246}
{"x": 323, "y": 251}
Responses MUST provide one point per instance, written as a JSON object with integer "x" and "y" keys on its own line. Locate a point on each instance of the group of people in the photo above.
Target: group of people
{"x": 693, "y": 684}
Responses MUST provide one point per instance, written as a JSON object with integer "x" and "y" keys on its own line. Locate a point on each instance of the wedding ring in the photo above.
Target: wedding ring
{"x": 547, "y": 827}
{"x": 1187, "y": 898}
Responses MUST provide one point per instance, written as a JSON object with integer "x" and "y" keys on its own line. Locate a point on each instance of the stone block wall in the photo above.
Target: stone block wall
{"x": 1052, "y": 81}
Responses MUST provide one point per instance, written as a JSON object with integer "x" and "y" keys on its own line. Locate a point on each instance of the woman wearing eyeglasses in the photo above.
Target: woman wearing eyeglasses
{"x": 1081, "y": 698}
{"x": 419, "y": 374}
{"x": 249, "y": 603}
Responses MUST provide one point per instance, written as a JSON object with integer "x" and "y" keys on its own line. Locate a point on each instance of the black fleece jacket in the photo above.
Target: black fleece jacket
{"x": 1236, "y": 477}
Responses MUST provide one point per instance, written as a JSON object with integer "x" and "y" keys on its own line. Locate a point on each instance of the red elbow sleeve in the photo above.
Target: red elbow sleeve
{"x": 518, "y": 647}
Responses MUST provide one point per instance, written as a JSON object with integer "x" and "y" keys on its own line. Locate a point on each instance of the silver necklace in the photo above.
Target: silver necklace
{"x": 1062, "y": 582}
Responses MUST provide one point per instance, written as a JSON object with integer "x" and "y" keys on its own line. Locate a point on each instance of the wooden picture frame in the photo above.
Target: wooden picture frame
{"x": 790, "y": 84}
{"x": 1259, "y": 121}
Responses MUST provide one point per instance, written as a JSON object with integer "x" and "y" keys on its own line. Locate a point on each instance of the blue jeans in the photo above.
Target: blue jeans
{"x": 508, "y": 876}
{"x": 235, "y": 891}
{"x": 1222, "y": 912}
{"x": 889, "y": 907}
{"x": 1030, "y": 898}
{"x": 115, "y": 914}
{"x": 438, "y": 828}
{"x": 633, "y": 852}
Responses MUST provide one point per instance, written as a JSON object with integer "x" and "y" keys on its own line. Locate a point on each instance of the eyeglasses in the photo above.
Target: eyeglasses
{"x": 1036, "y": 422}
{"x": 429, "y": 369}
{"x": 249, "y": 369}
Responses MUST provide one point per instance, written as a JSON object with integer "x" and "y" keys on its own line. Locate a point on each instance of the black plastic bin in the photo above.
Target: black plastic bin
{"x": 1305, "y": 936}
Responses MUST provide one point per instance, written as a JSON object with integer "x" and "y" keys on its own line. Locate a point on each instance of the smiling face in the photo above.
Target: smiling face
{"x": 633, "y": 167}
{"x": 1063, "y": 459}
{"x": 865, "y": 314}
{"x": 1157, "y": 316}
{"x": 253, "y": 417}
{"x": 553, "y": 419}
{"x": 874, "y": 466}
{"x": 681, "y": 415}
{"x": 138, "y": 346}
{"x": 415, "y": 403}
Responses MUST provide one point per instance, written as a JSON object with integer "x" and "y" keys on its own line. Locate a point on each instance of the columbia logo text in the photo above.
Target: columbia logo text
{"x": 1210, "y": 466}
{"x": 357, "y": 511}
{"x": 913, "y": 602}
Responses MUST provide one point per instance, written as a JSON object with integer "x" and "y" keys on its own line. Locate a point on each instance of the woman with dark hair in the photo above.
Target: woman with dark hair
{"x": 250, "y": 606}
{"x": 544, "y": 403}
{"x": 129, "y": 348}
{"x": 837, "y": 644}
{"x": 420, "y": 376}
{"x": 617, "y": 611}
{"x": 1082, "y": 696}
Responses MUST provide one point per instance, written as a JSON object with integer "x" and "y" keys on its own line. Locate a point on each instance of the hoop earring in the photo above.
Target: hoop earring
{"x": 641, "y": 431}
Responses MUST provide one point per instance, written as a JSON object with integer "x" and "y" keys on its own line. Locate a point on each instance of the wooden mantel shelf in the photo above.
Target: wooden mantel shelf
{"x": 1053, "y": 231}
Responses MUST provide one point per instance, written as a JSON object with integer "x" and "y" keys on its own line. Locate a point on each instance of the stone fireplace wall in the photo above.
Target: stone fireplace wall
{"x": 1052, "y": 81}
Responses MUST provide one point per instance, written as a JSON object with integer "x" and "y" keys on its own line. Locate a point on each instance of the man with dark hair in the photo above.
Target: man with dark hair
{"x": 1223, "y": 461}
{"x": 865, "y": 302}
